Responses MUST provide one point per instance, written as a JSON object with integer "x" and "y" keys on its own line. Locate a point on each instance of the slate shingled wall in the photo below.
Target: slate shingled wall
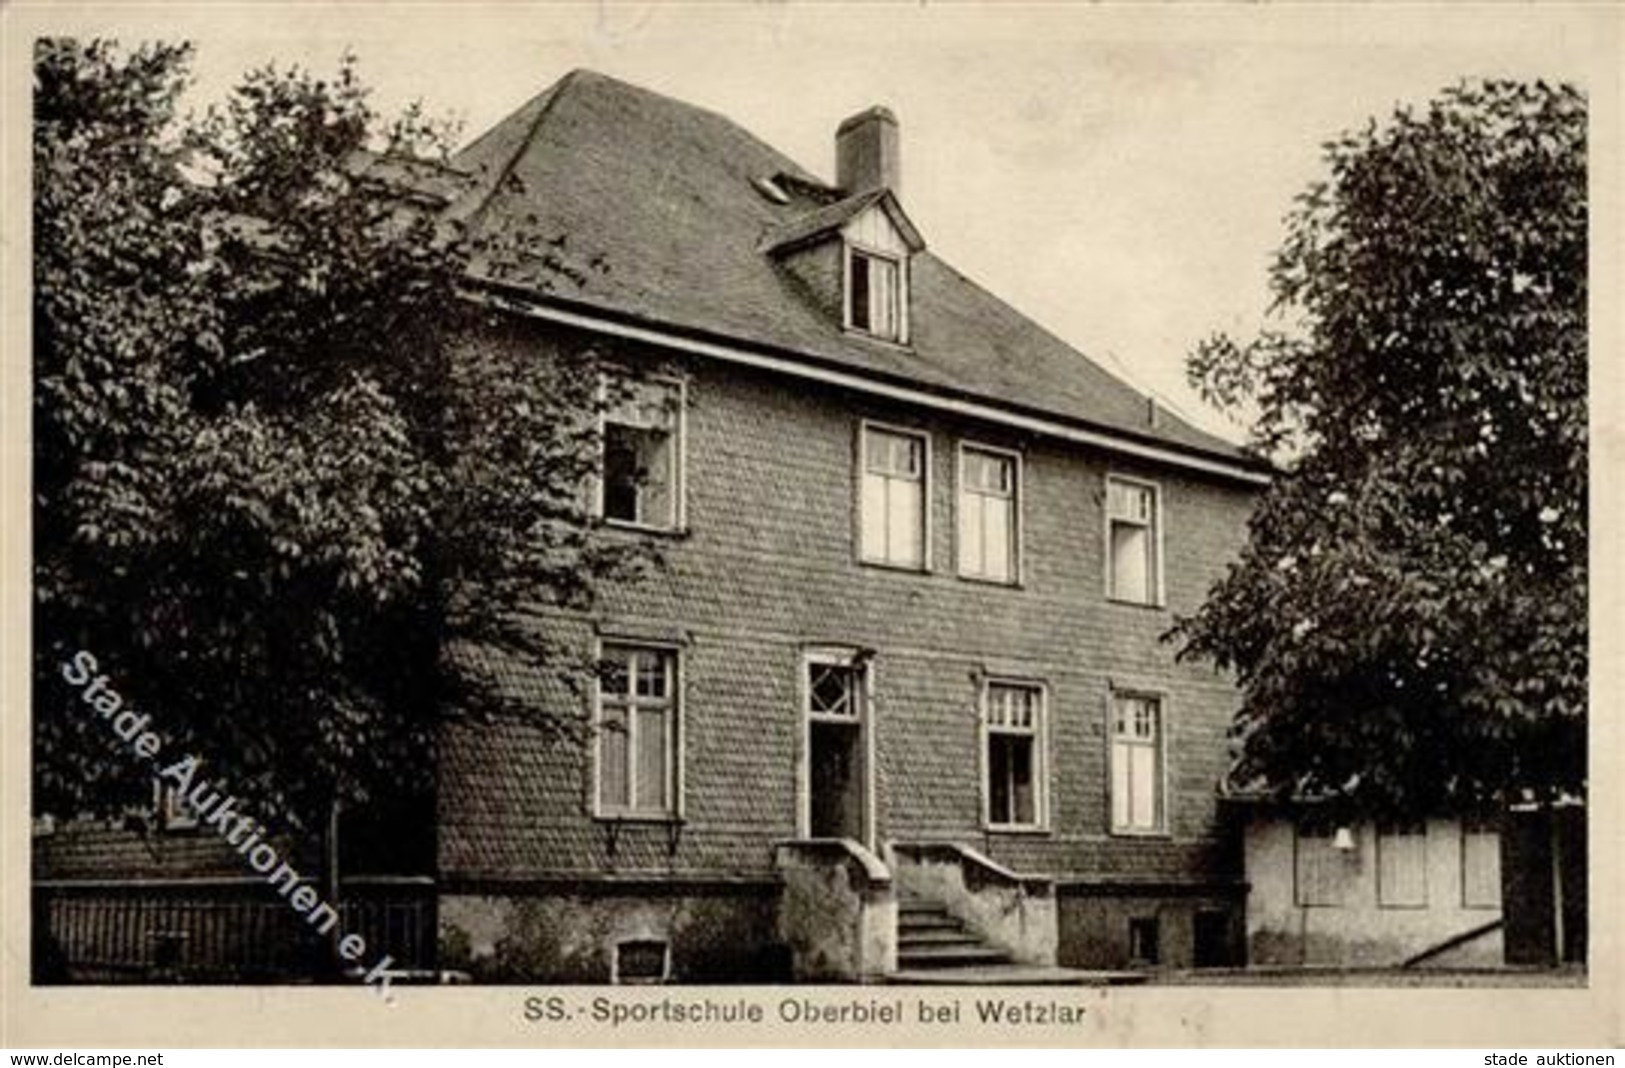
{"x": 768, "y": 566}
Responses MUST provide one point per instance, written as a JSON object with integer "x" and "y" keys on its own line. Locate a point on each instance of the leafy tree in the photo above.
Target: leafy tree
{"x": 275, "y": 479}
{"x": 1408, "y": 619}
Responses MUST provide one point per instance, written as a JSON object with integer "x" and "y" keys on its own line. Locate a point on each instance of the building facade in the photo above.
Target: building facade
{"x": 1505, "y": 889}
{"x": 898, "y": 700}
{"x": 1374, "y": 894}
{"x": 896, "y": 704}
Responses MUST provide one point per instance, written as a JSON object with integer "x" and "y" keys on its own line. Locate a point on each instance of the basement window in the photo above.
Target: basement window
{"x": 1144, "y": 941}
{"x": 642, "y": 961}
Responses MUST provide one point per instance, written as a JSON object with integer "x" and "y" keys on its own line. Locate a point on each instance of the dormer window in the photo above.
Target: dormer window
{"x": 852, "y": 258}
{"x": 874, "y": 294}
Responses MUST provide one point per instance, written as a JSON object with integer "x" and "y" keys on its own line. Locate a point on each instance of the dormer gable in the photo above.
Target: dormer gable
{"x": 850, "y": 218}
{"x": 853, "y": 257}
{"x": 875, "y": 272}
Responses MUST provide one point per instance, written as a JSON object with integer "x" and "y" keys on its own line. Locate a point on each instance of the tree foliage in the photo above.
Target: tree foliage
{"x": 1408, "y": 619}
{"x": 272, "y": 480}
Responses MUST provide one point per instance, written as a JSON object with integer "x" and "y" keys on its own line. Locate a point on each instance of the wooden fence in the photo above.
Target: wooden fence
{"x": 223, "y": 931}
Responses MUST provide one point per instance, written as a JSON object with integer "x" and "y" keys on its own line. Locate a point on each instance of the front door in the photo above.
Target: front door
{"x": 835, "y": 769}
{"x": 836, "y": 784}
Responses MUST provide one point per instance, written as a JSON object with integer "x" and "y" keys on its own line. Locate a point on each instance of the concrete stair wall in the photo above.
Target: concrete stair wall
{"x": 936, "y": 948}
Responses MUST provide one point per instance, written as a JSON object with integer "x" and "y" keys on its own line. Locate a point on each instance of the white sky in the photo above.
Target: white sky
{"x": 1117, "y": 174}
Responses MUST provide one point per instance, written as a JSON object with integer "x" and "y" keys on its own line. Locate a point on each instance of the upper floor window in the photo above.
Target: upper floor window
{"x": 1013, "y": 727}
{"x": 895, "y": 480}
{"x": 1136, "y": 763}
{"x": 637, "y": 734}
{"x": 989, "y": 482}
{"x": 1133, "y": 541}
{"x": 874, "y": 294}
{"x": 641, "y": 477}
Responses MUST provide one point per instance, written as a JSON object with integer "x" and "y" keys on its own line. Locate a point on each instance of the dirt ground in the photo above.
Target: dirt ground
{"x": 1376, "y": 977}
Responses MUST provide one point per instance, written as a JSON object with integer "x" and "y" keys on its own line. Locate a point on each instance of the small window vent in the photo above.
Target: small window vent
{"x": 770, "y": 188}
{"x": 641, "y": 961}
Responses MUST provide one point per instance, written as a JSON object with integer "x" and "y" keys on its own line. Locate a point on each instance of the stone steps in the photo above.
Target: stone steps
{"x": 1012, "y": 975}
{"x": 937, "y": 957}
{"x": 935, "y": 948}
{"x": 930, "y": 940}
{"x": 937, "y": 936}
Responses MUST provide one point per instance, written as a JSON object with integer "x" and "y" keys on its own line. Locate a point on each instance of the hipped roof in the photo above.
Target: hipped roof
{"x": 652, "y": 206}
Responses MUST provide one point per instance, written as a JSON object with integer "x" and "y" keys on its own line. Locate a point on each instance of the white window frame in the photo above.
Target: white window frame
{"x": 851, "y": 248}
{"x": 863, "y": 662}
{"x": 679, "y": 472}
{"x": 1017, "y": 525}
{"x": 672, "y": 810}
{"x": 1159, "y": 522}
{"x": 1160, "y": 827}
{"x": 926, "y": 527}
{"x": 1041, "y": 757}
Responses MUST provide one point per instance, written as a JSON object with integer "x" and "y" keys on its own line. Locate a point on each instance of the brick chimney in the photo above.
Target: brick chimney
{"x": 866, "y": 152}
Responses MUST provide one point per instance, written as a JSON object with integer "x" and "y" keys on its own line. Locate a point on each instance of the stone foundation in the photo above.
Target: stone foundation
{"x": 838, "y": 916}
{"x": 570, "y": 933}
{"x": 1097, "y": 922}
{"x": 1011, "y": 911}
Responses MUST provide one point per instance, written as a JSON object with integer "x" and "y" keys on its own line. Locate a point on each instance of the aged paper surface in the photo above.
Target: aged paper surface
{"x": 1370, "y": 56}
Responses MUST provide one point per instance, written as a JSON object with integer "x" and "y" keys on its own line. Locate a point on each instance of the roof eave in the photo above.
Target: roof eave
{"x": 584, "y": 315}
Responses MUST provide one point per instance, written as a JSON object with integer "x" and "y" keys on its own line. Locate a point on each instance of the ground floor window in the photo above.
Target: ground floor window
{"x": 637, "y": 732}
{"x": 1136, "y": 763}
{"x": 1013, "y": 731}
